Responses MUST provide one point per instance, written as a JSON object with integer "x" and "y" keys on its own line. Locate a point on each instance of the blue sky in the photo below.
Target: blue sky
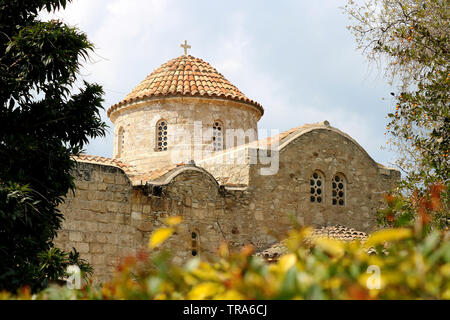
{"x": 294, "y": 57}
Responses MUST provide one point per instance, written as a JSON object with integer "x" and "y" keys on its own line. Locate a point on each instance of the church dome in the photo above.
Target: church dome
{"x": 185, "y": 76}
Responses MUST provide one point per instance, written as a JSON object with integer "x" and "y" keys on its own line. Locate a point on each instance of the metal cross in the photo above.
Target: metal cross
{"x": 185, "y": 46}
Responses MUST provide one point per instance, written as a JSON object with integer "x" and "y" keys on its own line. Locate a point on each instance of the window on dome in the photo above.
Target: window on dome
{"x": 316, "y": 187}
{"x": 161, "y": 136}
{"x": 217, "y": 136}
{"x": 338, "y": 189}
{"x": 120, "y": 142}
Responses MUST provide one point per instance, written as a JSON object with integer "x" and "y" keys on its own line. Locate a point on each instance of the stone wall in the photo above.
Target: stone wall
{"x": 98, "y": 218}
{"x": 276, "y": 199}
{"x": 108, "y": 218}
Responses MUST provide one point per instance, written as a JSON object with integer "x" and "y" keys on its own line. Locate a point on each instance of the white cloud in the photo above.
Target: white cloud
{"x": 133, "y": 37}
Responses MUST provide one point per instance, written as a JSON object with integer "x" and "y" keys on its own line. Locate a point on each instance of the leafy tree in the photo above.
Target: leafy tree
{"x": 411, "y": 39}
{"x": 41, "y": 125}
{"x": 394, "y": 263}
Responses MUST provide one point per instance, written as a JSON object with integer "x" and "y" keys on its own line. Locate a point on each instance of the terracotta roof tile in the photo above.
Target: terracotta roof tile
{"x": 127, "y": 168}
{"x": 134, "y": 175}
{"x": 340, "y": 233}
{"x": 175, "y": 78}
{"x": 152, "y": 175}
{"x": 337, "y": 232}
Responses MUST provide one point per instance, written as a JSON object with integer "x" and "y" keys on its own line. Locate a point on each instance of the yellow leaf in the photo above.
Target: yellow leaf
{"x": 296, "y": 238}
{"x": 445, "y": 270}
{"x": 333, "y": 283}
{"x": 388, "y": 235}
{"x": 161, "y": 296}
{"x": 223, "y": 250}
{"x": 287, "y": 261}
{"x": 331, "y": 246}
{"x": 173, "y": 221}
{"x": 160, "y": 236}
{"x": 205, "y": 290}
{"x": 206, "y": 272}
{"x": 189, "y": 279}
{"x": 230, "y": 295}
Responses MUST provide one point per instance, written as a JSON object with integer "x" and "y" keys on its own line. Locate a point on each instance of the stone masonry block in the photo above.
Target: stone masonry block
{"x": 75, "y": 236}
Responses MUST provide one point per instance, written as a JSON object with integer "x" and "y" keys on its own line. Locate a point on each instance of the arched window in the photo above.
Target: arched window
{"x": 120, "y": 142}
{"x": 217, "y": 136}
{"x": 338, "y": 186}
{"x": 316, "y": 185}
{"x": 161, "y": 135}
{"x": 194, "y": 244}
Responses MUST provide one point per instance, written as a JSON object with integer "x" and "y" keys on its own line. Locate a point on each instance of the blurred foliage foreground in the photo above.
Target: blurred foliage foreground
{"x": 395, "y": 263}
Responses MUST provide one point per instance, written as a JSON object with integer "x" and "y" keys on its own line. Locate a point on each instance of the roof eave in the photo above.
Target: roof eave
{"x": 125, "y": 102}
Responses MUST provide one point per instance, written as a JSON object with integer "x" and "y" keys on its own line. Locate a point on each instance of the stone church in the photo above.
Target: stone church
{"x": 186, "y": 142}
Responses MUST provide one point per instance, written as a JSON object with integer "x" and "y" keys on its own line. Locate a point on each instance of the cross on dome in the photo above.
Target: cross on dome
{"x": 185, "y": 46}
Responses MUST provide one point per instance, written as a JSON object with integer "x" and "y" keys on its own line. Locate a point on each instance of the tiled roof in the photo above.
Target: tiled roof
{"x": 237, "y": 170}
{"x": 337, "y": 232}
{"x": 234, "y": 173}
{"x": 127, "y": 168}
{"x": 136, "y": 177}
{"x": 272, "y": 253}
{"x": 186, "y": 76}
{"x": 280, "y": 138}
{"x": 340, "y": 233}
{"x": 152, "y": 175}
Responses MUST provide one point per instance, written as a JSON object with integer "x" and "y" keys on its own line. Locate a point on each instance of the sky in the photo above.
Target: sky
{"x": 296, "y": 58}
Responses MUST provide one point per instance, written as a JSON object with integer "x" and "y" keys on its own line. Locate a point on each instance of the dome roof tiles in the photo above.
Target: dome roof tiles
{"x": 186, "y": 76}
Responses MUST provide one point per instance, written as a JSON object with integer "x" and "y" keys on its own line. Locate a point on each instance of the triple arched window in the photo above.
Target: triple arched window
{"x": 217, "y": 136}
{"x": 161, "y": 136}
{"x": 338, "y": 188}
